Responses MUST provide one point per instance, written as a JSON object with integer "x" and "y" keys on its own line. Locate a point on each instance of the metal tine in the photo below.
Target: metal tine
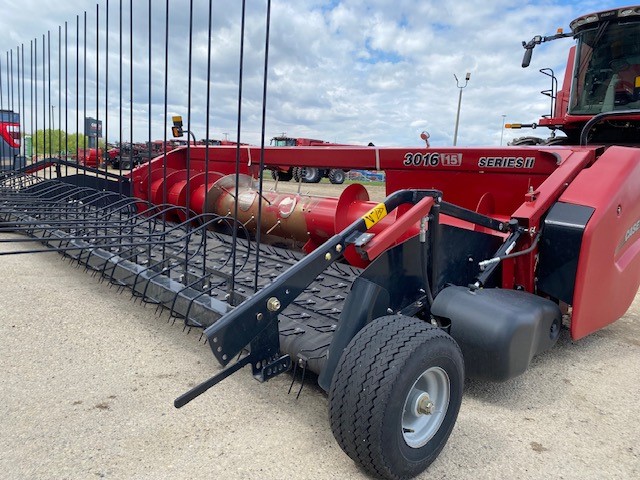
{"x": 65, "y": 203}
{"x": 165, "y": 269}
{"x": 100, "y": 214}
{"x": 84, "y": 223}
{"x": 293, "y": 379}
{"x": 304, "y": 372}
{"x": 150, "y": 236}
{"x": 163, "y": 261}
{"x": 54, "y": 187}
{"x": 151, "y": 266}
{"x": 206, "y": 291}
{"x": 69, "y": 191}
{"x": 49, "y": 185}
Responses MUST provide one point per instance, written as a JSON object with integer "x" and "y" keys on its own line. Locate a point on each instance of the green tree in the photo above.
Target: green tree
{"x": 54, "y": 143}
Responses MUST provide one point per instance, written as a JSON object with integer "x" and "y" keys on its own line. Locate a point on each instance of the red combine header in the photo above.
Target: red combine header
{"x": 471, "y": 266}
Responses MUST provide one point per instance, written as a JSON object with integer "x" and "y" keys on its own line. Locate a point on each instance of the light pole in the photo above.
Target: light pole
{"x": 502, "y": 130}
{"x": 466, "y": 81}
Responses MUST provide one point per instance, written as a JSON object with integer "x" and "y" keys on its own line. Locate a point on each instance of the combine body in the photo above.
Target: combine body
{"x": 502, "y": 184}
{"x": 469, "y": 268}
{"x": 10, "y": 141}
{"x": 305, "y": 173}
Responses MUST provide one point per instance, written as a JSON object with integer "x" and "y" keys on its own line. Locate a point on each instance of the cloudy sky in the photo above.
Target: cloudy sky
{"x": 351, "y": 71}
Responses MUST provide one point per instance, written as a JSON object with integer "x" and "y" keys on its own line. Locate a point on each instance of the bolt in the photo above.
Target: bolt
{"x": 273, "y": 304}
{"x": 338, "y": 248}
{"x": 327, "y": 256}
{"x": 425, "y": 405}
{"x": 259, "y": 316}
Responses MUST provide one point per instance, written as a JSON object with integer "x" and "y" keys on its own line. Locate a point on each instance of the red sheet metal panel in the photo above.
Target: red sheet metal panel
{"x": 608, "y": 273}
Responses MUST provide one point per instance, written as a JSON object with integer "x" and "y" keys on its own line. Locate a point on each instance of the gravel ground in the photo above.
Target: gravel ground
{"x": 88, "y": 379}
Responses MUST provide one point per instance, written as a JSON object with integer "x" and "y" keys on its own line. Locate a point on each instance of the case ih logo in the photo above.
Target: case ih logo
{"x": 432, "y": 159}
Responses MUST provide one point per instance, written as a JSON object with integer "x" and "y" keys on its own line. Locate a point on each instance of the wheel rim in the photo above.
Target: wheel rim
{"x": 425, "y": 407}
{"x": 309, "y": 174}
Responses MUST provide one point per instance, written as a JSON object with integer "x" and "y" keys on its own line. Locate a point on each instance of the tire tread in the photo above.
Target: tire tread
{"x": 385, "y": 344}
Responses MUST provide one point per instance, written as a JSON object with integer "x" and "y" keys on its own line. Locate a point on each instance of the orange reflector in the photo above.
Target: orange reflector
{"x": 513, "y": 125}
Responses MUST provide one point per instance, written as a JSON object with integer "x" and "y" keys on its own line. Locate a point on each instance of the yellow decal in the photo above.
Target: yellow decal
{"x": 638, "y": 82}
{"x": 374, "y": 215}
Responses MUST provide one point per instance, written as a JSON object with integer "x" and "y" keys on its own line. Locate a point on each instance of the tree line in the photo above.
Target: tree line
{"x": 57, "y": 143}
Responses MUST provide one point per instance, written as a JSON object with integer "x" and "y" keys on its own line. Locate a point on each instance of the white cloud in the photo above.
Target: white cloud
{"x": 349, "y": 71}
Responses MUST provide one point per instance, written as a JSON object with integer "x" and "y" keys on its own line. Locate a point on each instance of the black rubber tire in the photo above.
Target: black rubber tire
{"x": 337, "y": 176}
{"x": 522, "y": 141}
{"x": 374, "y": 376}
{"x": 296, "y": 172}
{"x": 311, "y": 175}
{"x": 125, "y": 164}
{"x": 282, "y": 176}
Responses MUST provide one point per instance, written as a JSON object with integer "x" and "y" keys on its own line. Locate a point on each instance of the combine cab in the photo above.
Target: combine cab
{"x": 470, "y": 267}
{"x": 601, "y": 83}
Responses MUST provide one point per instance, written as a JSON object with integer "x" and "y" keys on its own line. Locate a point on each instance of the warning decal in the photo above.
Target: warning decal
{"x": 374, "y": 215}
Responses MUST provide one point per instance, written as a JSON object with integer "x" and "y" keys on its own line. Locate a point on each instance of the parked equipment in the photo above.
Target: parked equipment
{"x": 306, "y": 174}
{"x": 469, "y": 268}
{"x": 10, "y": 138}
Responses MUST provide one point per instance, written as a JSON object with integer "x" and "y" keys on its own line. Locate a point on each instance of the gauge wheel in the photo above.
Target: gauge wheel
{"x": 395, "y": 395}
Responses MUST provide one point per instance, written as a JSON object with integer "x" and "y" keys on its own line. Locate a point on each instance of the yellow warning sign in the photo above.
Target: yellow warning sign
{"x": 374, "y": 215}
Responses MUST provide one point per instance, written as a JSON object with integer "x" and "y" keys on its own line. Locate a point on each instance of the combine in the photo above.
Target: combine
{"x": 470, "y": 267}
{"x": 10, "y": 158}
{"x": 305, "y": 174}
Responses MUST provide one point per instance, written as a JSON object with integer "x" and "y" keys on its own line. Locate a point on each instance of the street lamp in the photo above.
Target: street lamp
{"x": 502, "y": 130}
{"x": 466, "y": 81}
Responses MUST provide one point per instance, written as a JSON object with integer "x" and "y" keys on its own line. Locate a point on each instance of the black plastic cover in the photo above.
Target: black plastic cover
{"x": 499, "y": 331}
{"x": 560, "y": 249}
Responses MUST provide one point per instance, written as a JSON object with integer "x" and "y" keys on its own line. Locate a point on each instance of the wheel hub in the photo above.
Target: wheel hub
{"x": 425, "y": 407}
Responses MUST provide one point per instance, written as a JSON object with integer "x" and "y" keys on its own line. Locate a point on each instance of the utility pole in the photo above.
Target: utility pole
{"x": 502, "y": 130}
{"x": 466, "y": 81}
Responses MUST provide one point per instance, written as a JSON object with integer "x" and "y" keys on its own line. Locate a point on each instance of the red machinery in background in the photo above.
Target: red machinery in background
{"x": 301, "y": 171}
